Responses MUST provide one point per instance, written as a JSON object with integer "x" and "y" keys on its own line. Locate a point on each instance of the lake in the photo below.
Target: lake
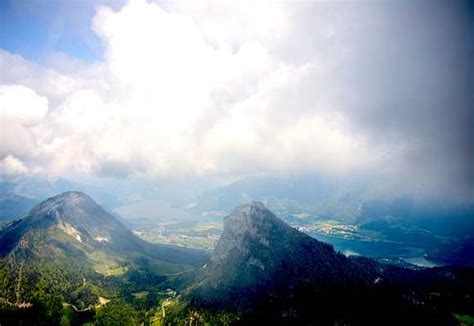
{"x": 377, "y": 249}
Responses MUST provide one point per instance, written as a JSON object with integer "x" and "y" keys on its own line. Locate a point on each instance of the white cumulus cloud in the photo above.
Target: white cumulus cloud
{"x": 10, "y": 165}
{"x": 173, "y": 98}
{"x": 21, "y": 109}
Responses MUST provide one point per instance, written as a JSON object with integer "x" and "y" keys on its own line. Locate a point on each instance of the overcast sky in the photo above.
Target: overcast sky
{"x": 234, "y": 88}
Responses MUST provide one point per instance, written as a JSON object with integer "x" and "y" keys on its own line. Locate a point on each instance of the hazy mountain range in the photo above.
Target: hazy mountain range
{"x": 443, "y": 228}
{"x": 69, "y": 261}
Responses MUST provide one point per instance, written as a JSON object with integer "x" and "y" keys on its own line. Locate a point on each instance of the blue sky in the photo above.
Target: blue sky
{"x": 36, "y": 29}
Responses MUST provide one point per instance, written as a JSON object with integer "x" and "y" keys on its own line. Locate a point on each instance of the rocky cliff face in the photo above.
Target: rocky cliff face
{"x": 250, "y": 224}
{"x": 259, "y": 254}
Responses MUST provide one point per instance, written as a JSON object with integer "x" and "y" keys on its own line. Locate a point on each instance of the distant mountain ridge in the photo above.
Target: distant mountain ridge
{"x": 13, "y": 206}
{"x": 287, "y": 195}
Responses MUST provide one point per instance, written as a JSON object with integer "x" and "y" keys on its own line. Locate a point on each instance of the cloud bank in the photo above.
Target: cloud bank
{"x": 240, "y": 88}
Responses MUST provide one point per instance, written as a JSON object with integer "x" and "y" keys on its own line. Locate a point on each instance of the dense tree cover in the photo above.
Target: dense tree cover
{"x": 177, "y": 312}
{"x": 68, "y": 261}
{"x": 425, "y": 298}
{"x": 117, "y": 313}
{"x": 57, "y": 291}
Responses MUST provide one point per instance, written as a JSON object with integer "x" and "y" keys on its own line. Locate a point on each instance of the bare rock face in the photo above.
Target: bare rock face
{"x": 252, "y": 222}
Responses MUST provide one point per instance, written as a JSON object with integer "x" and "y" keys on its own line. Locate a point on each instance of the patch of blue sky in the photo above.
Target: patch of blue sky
{"x": 35, "y": 30}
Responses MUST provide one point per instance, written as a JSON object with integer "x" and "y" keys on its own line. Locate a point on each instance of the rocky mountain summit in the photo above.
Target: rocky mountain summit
{"x": 259, "y": 254}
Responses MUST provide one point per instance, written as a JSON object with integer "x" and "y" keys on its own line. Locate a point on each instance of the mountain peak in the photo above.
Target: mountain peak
{"x": 254, "y": 204}
{"x": 72, "y": 194}
{"x": 72, "y": 213}
{"x": 247, "y": 222}
{"x": 251, "y": 209}
{"x": 66, "y": 206}
{"x": 259, "y": 252}
{"x": 72, "y": 223}
{"x": 249, "y": 216}
{"x": 68, "y": 198}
